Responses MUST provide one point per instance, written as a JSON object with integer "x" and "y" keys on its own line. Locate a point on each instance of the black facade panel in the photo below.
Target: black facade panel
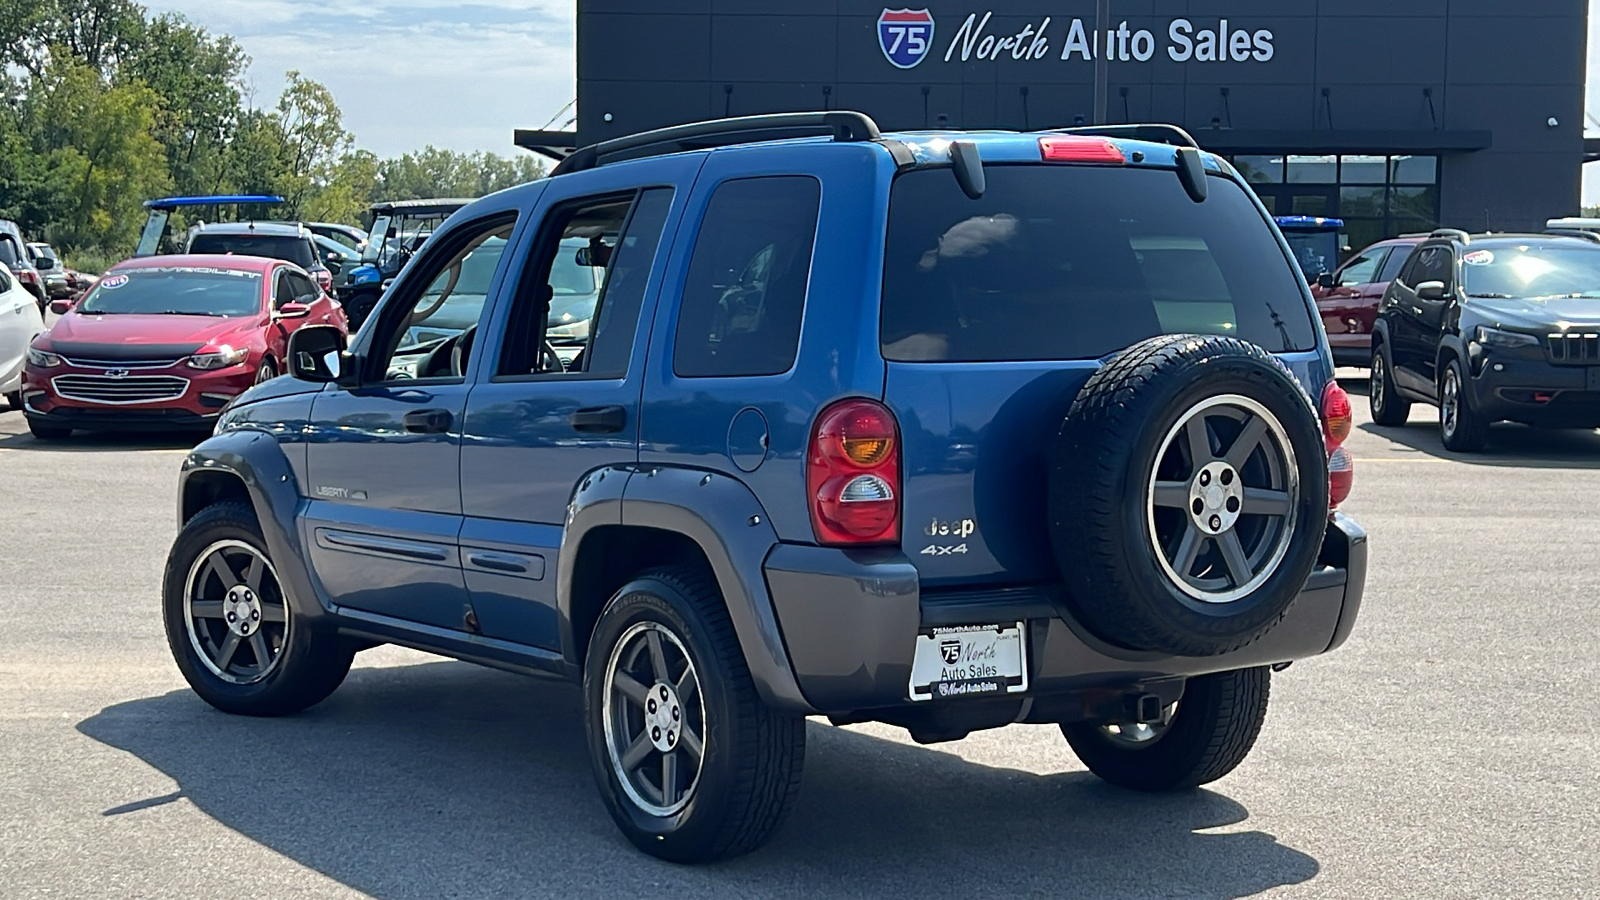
{"x": 1474, "y": 82}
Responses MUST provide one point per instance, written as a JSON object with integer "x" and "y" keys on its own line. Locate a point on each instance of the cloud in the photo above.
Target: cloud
{"x": 407, "y": 73}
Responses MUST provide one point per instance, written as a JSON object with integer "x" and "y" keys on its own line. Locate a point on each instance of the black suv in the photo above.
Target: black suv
{"x": 1492, "y": 327}
{"x": 944, "y": 430}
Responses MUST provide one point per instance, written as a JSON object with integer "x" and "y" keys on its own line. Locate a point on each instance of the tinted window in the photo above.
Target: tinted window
{"x": 1533, "y": 272}
{"x": 746, "y": 289}
{"x": 1396, "y": 260}
{"x": 1433, "y": 264}
{"x": 285, "y": 291}
{"x": 1362, "y": 269}
{"x": 10, "y": 254}
{"x": 302, "y": 288}
{"x": 617, "y": 318}
{"x": 1059, "y": 262}
{"x": 291, "y": 249}
{"x": 176, "y": 290}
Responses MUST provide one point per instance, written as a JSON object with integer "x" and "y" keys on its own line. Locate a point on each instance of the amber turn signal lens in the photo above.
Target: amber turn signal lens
{"x": 866, "y": 451}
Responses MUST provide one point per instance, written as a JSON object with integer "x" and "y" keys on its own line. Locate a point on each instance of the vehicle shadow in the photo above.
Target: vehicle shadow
{"x": 445, "y": 779}
{"x": 1510, "y": 445}
{"x": 14, "y": 436}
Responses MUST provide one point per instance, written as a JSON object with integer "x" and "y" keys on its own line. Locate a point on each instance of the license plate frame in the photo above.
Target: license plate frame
{"x": 960, "y": 661}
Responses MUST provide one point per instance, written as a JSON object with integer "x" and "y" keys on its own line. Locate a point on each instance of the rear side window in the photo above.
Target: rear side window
{"x": 290, "y": 249}
{"x": 746, "y": 289}
{"x": 1075, "y": 262}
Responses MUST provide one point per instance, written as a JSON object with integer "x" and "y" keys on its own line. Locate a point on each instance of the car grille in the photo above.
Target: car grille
{"x": 128, "y": 389}
{"x": 1574, "y": 348}
{"x": 84, "y": 362}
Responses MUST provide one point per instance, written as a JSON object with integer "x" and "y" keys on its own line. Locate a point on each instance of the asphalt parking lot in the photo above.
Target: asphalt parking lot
{"x": 1451, "y": 749}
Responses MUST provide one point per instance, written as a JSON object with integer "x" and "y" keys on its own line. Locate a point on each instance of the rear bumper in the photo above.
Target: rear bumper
{"x": 850, "y": 620}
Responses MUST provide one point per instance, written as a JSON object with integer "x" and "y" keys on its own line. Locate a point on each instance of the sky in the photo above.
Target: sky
{"x": 463, "y": 75}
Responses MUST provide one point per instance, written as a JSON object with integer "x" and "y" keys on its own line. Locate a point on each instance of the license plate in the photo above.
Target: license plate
{"x": 969, "y": 661}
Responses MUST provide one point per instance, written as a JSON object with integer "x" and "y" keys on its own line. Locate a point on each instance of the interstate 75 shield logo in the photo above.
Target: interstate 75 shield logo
{"x": 905, "y": 35}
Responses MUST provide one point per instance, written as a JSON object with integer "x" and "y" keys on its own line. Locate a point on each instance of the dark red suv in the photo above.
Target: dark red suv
{"x": 1348, "y": 297}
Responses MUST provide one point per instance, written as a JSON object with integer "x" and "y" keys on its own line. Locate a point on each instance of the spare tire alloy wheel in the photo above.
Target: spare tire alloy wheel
{"x": 654, "y": 719}
{"x": 235, "y": 614}
{"x": 1222, "y": 527}
{"x": 1187, "y": 493}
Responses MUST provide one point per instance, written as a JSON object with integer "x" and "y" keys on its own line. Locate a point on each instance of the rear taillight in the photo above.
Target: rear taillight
{"x": 1081, "y": 149}
{"x": 27, "y": 276}
{"x": 853, "y": 474}
{"x": 1337, "y": 420}
{"x": 325, "y": 280}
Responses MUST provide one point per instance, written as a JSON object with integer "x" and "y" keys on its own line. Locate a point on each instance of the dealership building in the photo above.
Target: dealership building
{"x": 1395, "y": 116}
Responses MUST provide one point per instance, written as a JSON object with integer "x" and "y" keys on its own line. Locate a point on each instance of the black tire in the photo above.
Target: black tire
{"x": 358, "y": 306}
{"x": 1210, "y": 733}
{"x": 750, "y": 772}
{"x": 267, "y": 371}
{"x": 14, "y": 400}
{"x": 47, "y": 432}
{"x": 1467, "y": 431}
{"x": 1388, "y": 407}
{"x": 1118, "y": 552}
{"x": 310, "y": 662}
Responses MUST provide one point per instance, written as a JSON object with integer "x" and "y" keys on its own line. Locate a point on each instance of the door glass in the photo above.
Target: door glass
{"x": 433, "y": 332}
{"x": 285, "y": 291}
{"x": 617, "y": 318}
{"x": 1391, "y": 268}
{"x": 1361, "y": 269}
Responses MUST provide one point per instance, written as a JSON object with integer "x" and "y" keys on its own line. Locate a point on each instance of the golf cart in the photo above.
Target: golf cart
{"x": 399, "y": 228}
{"x": 153, "y": 241}
{"x": 1316, "y": 243}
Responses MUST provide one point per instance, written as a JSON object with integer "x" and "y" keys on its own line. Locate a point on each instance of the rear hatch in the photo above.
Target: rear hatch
{"x": 996, "y": 311}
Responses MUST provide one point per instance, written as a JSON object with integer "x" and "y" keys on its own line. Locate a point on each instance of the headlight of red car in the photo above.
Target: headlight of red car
{"x": 220, "y": 358}
{"x": 44, "y": 359}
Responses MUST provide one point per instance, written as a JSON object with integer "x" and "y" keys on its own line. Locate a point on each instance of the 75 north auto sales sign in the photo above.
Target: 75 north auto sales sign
{"x": 906, "y": 37}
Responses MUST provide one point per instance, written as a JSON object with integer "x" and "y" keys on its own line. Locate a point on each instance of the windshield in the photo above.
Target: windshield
{"x": 1533, "y": 272}
{"x": 1314, "y": 252}
{"x": 1076, "y": 262}
{"x": 176, "y": 290}
{"x": 271, "y": 246}
{"x": 380, "y": 228}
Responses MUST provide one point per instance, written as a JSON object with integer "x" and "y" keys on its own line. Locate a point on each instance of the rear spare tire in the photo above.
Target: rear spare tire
{"x": 1188, "y": 495}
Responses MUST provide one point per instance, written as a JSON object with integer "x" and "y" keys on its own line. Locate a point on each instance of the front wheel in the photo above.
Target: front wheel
{"x": 1200, "y": 739}
{"x": 14, "y": 400}
{"x": 231, "y": 627}
{"x": 47, "y": 432}
{"x": 1461, "y": 427}
{"x": 692, "y": 766}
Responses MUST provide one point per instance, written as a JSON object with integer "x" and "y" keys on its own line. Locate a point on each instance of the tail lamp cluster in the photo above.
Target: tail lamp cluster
{"x": 853, "y": 475}
{"x": 1337, "y": 420}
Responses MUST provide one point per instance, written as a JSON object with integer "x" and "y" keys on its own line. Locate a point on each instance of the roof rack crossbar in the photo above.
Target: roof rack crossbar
{"x": 1156, "y": 133}
{"x": 843, "y": 125}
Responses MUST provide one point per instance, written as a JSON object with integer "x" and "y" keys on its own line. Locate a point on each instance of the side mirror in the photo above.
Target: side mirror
{"x": 1325, "y": 281}
{"x": 316, "y": 354}
{"x": 60, "y": 307}
{"x": 1430, "y": 290}
{"x": 294, "y": 310}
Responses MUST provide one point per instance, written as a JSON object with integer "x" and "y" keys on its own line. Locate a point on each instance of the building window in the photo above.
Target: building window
{"x": 1377, "y": 195}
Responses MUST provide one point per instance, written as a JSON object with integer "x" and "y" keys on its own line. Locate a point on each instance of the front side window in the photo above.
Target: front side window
{"x": 746, "y": 288}
{"x": 1363, "y": 269}
{"x": 1434, "y": 264}
{"x": 433, "y": 333}
{"x": 1396, "y": 261}
{"x": 1076, "y": 262}
{"x": 175, "y": 290}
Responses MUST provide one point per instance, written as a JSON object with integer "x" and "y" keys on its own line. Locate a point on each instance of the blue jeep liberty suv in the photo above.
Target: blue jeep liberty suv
{"x": 947, "y": 430}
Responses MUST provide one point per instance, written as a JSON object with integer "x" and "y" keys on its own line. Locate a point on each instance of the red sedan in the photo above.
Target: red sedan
{"x": 165, "y": 342}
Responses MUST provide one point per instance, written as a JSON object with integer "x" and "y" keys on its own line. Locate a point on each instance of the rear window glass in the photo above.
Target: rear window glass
{"x": 1076, "y": 262}
{"x": 176, "y": 290}
{"x": 290, "y": 249}
{"x": 1533, "y": 272}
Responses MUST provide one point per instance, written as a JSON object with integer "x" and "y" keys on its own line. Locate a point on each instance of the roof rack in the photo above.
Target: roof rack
{"x": 1155, "y": 133}
{"x": 844, "y": 125}
{"x": 1452, "y": 233}
{"x": 1574, "y": 233}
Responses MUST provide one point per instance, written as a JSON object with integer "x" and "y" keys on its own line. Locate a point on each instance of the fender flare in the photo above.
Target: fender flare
{"x": 721, "y": 515}
{"x": 256, "y": 459}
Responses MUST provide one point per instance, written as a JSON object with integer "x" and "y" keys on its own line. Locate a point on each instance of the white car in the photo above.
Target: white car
{"x": 20, "y": 323}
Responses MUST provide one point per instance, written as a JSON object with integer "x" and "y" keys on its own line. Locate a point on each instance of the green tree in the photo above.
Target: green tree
{"x": 95, "y": 33}
{"x": 314, "y": 139}
{"x": 197, "y": 77}
{"x": 432, "y": 172}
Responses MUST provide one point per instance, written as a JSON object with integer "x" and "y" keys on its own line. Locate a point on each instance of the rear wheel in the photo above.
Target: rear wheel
{"x": 48, "y": 432}
{"x": 233, "y": 630}
{"x": 691, "y": 765}
{"x": 1201, "y": 738}
{"x": 1461, "y": 427}
{"x": 1388, "y": 407}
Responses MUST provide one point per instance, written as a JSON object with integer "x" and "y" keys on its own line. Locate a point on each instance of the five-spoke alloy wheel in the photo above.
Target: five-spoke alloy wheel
{"x": 237, "y": 620}
{"x": 654, "y": 718}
